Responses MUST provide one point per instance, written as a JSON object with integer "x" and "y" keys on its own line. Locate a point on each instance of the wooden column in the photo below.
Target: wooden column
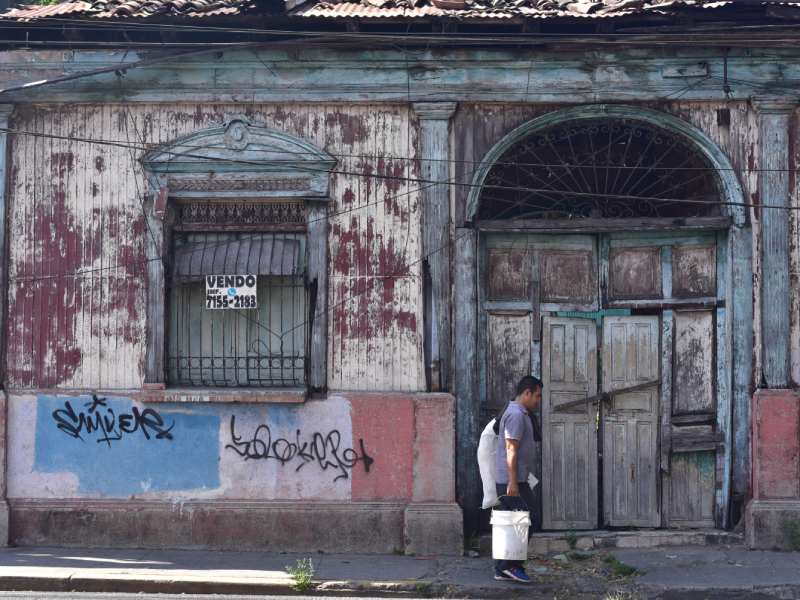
{"x": 774, "y": 115}
{"x": 434, "y": 152}
{"x": 465, "y": 374}
{"x": 741, "y": 316}
{"x": 155, "y": 212}
{"x": 318, "y": 275}
{"x": 5, "y": 113}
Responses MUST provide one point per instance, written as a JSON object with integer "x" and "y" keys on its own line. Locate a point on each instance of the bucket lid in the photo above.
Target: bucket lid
{"x": 510, "y": 517}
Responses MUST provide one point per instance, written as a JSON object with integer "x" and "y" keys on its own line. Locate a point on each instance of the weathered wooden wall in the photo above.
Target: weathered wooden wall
{"x": 78, "y": 206}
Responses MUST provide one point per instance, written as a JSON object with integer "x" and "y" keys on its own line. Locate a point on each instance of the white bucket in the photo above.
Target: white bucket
{"x": 510, "y": 534}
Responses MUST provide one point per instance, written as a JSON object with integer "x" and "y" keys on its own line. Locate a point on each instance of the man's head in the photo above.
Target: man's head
{"x": 529, "y": 392}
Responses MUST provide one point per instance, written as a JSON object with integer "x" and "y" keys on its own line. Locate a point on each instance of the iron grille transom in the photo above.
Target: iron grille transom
{"x": 606, "y": 168}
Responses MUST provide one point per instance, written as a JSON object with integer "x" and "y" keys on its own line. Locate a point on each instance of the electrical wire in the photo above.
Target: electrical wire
{"x": 153, "y": 148}
{"x": 483, "y": 186}
{"x": 328, "y": 217}
{"x": 361, "y": 36}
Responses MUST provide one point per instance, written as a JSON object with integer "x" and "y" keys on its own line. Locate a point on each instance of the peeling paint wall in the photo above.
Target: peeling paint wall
{"x": 77, "y": 206}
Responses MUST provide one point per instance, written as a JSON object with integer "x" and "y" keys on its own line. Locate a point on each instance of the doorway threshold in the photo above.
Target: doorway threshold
{"x": 556, "y": 541}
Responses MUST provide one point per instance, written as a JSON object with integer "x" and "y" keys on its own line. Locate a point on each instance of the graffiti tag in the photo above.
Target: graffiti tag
{"x": 324, "y": 449}
{"x": 99, "y": 419}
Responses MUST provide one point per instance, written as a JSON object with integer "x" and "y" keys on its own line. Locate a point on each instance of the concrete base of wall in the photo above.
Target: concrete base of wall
{"x": 358, "y": 527}
{"x": 368, "y": 527}
{"x": 773, "y": 525}
{"x": 434, "y": 530}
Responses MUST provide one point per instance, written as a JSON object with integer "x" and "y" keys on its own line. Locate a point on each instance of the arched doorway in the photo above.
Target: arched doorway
{"x": 606, "y": 236}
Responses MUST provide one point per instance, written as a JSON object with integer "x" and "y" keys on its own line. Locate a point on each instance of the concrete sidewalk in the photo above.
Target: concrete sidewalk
{"x": 715, "y": 572}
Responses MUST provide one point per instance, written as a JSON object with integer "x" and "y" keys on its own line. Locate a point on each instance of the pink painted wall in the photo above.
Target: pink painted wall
{"x": 415, "y": 446}
{"x": 776, "y": 445}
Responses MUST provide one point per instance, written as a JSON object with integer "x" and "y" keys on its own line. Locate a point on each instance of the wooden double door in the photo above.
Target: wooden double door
{"x": 594, "y": 445}
{"x": 593, "y": 314}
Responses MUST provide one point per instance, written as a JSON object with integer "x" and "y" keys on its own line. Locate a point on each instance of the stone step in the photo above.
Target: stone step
{"x": 553, "y": 542}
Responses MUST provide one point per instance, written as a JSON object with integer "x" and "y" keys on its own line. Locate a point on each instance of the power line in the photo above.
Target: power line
{"x": 206, "y": 246}
{"x": 567, "y": 193}
{"x": 455, "y": 161}
{"x": 463, "y": 37}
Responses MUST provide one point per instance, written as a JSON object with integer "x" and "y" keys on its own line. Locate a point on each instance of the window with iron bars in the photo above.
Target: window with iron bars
{"x": 251, "y": 347}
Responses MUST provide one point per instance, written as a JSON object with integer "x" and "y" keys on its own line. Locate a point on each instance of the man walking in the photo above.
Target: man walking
{"x": 515, "y": 452}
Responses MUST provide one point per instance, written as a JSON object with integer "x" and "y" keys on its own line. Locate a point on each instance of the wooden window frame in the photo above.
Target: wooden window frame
{"x": 234, "y": 163}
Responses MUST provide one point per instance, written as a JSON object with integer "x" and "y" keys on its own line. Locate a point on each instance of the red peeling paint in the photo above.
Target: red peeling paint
{"x": 369, "y": 266}
{"x": 53, "y": 312}
{"x": 392, "y": 173}
{"x": 755, "y": 200}
{"x": 198, "y": 116}
{"x": 348, "y": 197}
{"x": 61, "y": 163}
{"x": 353, "y": 128}
{"x": 367, "y": 171}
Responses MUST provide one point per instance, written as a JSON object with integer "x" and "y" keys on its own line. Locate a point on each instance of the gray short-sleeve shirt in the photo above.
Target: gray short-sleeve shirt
{"x": 515, "y": 425}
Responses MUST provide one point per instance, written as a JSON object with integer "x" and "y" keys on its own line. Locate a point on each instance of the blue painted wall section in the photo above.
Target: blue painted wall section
{"x": 119, "y": 448}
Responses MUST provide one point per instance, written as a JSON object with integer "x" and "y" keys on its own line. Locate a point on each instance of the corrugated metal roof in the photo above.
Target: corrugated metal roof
{"x": 368, "y": 9}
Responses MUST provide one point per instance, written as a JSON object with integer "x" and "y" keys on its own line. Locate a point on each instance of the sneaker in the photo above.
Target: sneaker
{"x": 518, "y": 574}
{"x": 501, "y": 576}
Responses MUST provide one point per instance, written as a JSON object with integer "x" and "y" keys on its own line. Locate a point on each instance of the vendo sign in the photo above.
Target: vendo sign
{"x": 231, "y": 291}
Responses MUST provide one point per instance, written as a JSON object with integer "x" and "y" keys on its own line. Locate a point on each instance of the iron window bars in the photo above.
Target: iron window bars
{"x": 263, "y": 347}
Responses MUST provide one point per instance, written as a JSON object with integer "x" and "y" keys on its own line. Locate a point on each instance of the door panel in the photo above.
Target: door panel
{"x": 693, "y": 385}
{"x": 508, "y": 354}
{"x": 690, "y": 432}
{"x": 569, "y": 449}
{"x": 630, "y": 421}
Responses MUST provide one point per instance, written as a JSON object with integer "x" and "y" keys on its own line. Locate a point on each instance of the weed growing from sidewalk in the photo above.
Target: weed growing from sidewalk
{"x": 620, "y": 595}
{"x": 423, "y": 588}
{"x": 572, "y": 539}
{"x": 619, "y": 568}
{"x": 302, "y": 573}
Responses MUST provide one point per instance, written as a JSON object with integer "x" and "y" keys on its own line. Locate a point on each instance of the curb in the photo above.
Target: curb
{"x": 744, "y": 592}
{"x": 417, "y": 588}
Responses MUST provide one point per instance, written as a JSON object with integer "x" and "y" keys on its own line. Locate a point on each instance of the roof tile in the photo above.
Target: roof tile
{"x": 391, "y": 9}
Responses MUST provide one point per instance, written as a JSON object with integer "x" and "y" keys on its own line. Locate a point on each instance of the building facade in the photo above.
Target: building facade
{"x": 414, "y": 228}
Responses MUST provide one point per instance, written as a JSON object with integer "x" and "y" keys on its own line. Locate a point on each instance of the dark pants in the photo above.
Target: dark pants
{"x": 522, "y": 502}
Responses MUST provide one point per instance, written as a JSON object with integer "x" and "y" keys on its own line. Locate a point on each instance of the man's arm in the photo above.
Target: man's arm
{"x": 512, "y": 446}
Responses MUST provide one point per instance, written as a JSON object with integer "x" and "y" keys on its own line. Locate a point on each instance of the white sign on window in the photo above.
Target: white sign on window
{"x": 231, "y": 291}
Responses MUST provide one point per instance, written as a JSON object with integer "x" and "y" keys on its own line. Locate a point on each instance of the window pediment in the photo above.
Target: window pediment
{"x": 240, "y": 160}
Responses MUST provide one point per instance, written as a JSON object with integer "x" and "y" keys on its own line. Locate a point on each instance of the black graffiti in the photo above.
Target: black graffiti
{"x": 324, "y": 449}
{"x": 99, "y": 419}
